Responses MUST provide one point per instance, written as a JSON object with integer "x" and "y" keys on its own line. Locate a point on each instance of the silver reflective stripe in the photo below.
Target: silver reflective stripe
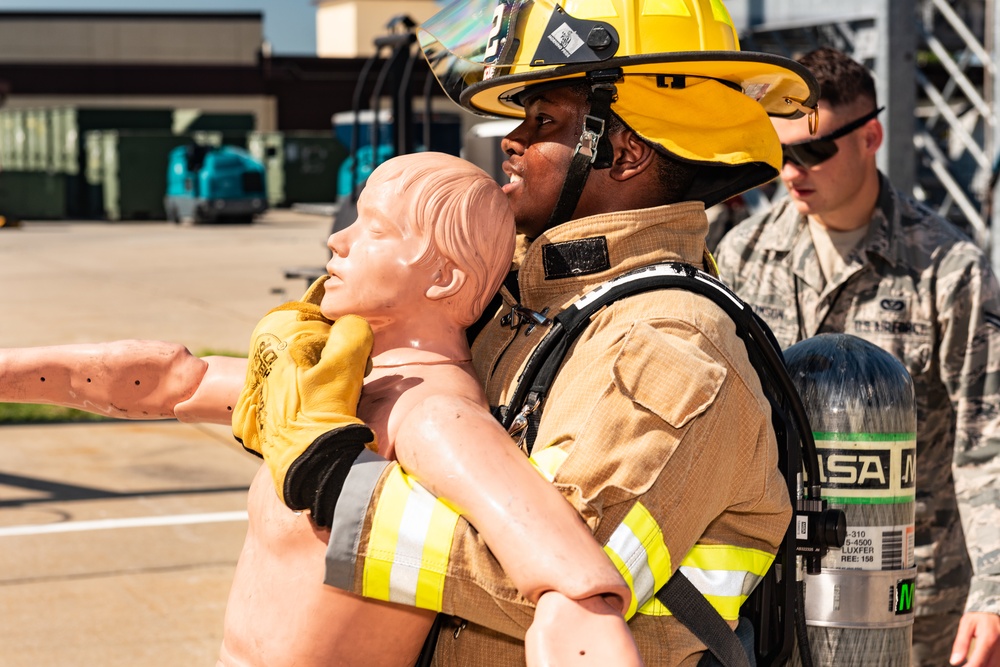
{"x": 413, "y": 530}
{"x": 637, "y": 549}
{"x": 730, "y": 583}
{"x": 628, "y": 547}
{"x": 349, "y": 519}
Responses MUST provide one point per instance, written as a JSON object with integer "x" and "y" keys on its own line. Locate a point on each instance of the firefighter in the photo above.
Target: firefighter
{"x": 636, "y": 117}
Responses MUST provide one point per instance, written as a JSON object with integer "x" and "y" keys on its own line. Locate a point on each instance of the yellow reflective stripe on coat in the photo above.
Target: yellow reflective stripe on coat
{"x": 640, "y": 554}
{"x": 547, "y": 461}
{"x": 725, "y": 575}
{"x": 410, "y": 544}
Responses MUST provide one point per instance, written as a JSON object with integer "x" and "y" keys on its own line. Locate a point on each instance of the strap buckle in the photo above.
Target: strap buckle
{"x": 811, "y": 112}
{"x": 519, "y": 315}
{"x": 519, "y": 426}
{"x": 593, "y": 130}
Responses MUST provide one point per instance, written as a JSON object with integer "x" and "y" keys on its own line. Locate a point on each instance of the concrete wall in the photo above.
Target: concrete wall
{"x": 748, "y": 13}
{"x": 264, "y": 108}
{"x": 216, "y": 39}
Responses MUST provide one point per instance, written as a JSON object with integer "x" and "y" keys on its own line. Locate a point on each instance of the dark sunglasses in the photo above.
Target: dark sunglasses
{"x": 816, "y": 151}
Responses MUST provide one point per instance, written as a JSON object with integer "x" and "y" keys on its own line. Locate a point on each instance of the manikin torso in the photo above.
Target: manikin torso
{"x": 280, "y": 612}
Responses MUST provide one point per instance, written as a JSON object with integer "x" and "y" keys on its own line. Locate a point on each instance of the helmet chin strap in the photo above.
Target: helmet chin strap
{"x": 590, "y": 151}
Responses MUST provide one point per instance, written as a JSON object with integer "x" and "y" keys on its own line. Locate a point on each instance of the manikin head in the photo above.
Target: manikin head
{"x": 834, "y": 178}
{"x": 434, "y": 238}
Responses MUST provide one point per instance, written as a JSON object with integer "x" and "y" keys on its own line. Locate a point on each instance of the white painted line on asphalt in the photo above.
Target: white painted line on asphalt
{"x": 134, "y": 522}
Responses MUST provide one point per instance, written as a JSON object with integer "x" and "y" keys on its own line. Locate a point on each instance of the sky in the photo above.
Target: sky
{"x": 289, "y": 25}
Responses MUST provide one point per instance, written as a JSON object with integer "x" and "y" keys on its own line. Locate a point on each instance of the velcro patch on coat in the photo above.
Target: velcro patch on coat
{"x": 667, "y": 375}
{"x": 575, "y": 258}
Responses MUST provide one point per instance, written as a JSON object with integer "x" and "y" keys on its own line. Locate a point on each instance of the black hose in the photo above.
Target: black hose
{"x": 801, "y": 631}
{"x": 426, "y": 656}
{"x": 356, "y": 125}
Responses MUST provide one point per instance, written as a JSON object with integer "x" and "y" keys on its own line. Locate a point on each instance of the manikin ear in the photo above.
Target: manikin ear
{"x": 632, "y": 155}
{"x": 448, "y": 280}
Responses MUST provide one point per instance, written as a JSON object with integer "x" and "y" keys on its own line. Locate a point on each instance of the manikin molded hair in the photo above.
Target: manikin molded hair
{"x": 463, "y": 218}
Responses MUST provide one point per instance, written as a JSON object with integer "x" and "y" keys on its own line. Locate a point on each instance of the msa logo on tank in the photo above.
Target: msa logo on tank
{"x": 876, "y": 474}
{"x": 902, "y": 598}
{"x": 867, "y": 467}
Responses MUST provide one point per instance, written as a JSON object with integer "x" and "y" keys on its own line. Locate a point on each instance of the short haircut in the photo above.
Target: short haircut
{"x": 842, "y": 80}
{"x": 461, "y": 215}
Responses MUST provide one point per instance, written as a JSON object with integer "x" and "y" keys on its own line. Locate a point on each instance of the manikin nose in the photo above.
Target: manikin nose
{"x": 337, "y": 243}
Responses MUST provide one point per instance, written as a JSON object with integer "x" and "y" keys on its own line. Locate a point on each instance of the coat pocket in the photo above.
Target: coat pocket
{"x": 667, "y": 375}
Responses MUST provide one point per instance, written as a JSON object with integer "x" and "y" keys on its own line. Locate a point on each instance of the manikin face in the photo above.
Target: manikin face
{"x": 373, "y": 271}
{"x": 540, "y": 150}
{"x": 830, "y": 187}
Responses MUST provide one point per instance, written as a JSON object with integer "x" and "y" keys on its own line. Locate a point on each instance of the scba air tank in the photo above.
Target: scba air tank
{"x": 859, "y": 399}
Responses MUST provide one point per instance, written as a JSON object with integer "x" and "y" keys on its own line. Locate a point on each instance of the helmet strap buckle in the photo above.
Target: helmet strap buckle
{"x": 812, "y": 113}
{"x": 603, "y": 93}
{"x": 591, "y": 151}
{"x": 593, "y": 130}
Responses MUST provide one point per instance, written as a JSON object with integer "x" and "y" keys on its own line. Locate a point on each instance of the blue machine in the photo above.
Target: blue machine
{"x": 214, "y": 184}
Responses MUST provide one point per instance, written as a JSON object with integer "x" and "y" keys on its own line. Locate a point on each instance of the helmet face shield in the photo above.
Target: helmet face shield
{"x": 453, "y": 74}
{"x": 472, "y": 30}
{"x": 454, "y": 41}
{"x": 470, "y": 41}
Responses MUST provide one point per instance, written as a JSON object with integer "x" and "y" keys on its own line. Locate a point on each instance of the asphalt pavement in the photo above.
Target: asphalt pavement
{"x": 118, "y": 540}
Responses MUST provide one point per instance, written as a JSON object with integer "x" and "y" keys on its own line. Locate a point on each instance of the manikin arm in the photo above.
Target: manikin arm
{"x": 581, "y": 633}
{"x": 127, "y": 379}
{"x": 466, "y": 456}
{"x": 458, "y": 451}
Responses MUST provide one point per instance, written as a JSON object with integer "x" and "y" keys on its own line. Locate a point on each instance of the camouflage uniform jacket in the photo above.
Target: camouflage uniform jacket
{"x": 922, "y": 291}
{"x": 656, "y": 430}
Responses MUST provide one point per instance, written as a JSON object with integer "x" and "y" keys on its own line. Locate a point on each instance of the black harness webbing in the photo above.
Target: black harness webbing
{"x": 692, "y": 609}
{"x": 547, "y": 358}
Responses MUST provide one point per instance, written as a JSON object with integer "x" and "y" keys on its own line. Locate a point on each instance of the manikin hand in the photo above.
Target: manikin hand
{"x": 126, "y": 379}
{"x": 302, "y": 389}
{"x": 579, "y": 633}
{"x": 981, "y": 632}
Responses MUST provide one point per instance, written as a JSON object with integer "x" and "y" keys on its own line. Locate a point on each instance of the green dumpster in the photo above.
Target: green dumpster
{"x": 37, "y": 140}
{"x": 70, "y": 126}
{"x": 32, "y": 195}
{"x": 301, "y": 166}
{"x": 187, "y": 121}
{"x": 12, "y": 139}
{"x": 134, "y": 173}
{"x": 93, "y": 175}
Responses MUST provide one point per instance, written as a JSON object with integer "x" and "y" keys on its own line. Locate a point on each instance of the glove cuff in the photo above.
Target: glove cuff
{"x": 249, "y": 449}
{"x": 315, "y": 479}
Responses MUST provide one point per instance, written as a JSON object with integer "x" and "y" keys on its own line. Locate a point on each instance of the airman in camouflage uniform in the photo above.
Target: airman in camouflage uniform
{"x": 917, "y": 287}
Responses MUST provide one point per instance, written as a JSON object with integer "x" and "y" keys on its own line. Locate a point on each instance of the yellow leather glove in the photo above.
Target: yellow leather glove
{"x": 298, "y": 407}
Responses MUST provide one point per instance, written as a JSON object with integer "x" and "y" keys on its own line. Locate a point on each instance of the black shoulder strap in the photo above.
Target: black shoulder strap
{"x": 690, "y": 607}
{"x": 495, "y": 304}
